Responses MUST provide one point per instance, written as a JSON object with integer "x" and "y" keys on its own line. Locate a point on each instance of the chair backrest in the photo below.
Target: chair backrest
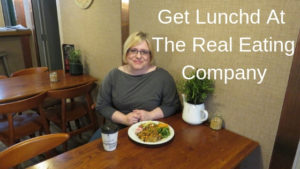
{"x": 29, "y": 71}
{"x": 30, "y": 148}
{"x": 22, "y": 105}
{"x": 3, "y": 77}
{"x": 73, "y": 110}
{"x": 71, "y": 92}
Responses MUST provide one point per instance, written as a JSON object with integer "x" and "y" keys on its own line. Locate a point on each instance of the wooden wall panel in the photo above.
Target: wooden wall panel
{"x": 289, "y": 129}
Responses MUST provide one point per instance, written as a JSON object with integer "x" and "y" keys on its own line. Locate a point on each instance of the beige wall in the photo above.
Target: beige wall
{"x": 96, "y": 31}
{"x": 1, "y": 17}
{"x": 249, "y": 109}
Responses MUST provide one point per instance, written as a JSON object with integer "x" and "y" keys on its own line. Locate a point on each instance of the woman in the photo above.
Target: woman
{"x": 137, "y": 90}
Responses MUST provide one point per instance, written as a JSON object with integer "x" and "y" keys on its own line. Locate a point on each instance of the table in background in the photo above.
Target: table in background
{"x": 28, "y": 85}
{"x": 192, "y": 147}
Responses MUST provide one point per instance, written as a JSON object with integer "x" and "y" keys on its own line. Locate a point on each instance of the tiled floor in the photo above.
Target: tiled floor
{"x": 73, "y": 142}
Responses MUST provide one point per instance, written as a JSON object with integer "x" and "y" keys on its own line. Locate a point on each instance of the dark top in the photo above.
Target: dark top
{"x": 124, "y": 92}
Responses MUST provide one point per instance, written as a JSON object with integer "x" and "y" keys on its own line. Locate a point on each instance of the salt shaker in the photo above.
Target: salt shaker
{"x": 216, "y": 122}
{"x": 53, "y": 77}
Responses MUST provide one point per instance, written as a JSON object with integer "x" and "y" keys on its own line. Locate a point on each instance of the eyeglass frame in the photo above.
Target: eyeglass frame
{"x": 136, "y": 51}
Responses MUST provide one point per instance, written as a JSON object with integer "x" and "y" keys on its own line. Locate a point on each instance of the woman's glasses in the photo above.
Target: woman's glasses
{"x": 135, "y": 52}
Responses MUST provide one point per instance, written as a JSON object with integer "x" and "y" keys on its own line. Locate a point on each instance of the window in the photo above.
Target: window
{"x": 9, "y": 13}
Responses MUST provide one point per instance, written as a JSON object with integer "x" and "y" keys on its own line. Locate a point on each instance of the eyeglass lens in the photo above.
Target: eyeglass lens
{"x": 142, "y": 52}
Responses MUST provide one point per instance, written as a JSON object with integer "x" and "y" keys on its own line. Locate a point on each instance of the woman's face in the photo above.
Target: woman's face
{"x": 138, "y": 57}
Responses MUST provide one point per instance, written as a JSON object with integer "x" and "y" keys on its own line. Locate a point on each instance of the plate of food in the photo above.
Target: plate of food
{"x": 151, "y": 132}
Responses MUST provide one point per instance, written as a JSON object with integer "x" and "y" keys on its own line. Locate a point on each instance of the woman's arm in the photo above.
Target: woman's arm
{"x": 170, "y": 101}
{"x": 128, "y": 119}
{"x": 104, "y": 98}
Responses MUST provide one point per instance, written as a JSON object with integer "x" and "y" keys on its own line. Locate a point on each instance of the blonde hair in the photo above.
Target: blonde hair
{"x": 134, "y": 39}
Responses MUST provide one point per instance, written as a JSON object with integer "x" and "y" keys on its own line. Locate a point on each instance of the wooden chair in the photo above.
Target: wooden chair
{"x": 74, "y": 110}
{"x": 3, "y": 57}
{"x": 30, "y": 148}
{"x": 48, "y": 102}
{"x": 3, "y": 77}
{"x": 29, "y": 71}
{"x": 2, "y": 117}
{"x": 18, "y": 126}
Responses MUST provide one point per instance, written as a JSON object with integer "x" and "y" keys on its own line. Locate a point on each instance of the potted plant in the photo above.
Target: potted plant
{"x": 76, "y": 67}
{"x": 194, "y": 93}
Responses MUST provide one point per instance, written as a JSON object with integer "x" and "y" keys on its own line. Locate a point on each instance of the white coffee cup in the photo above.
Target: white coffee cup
{"x": 110, "y": 141}
{"x": 109, "y": 133}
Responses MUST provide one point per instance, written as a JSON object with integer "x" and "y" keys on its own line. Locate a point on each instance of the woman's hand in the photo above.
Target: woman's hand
{"x": 149, "y": 115}
{"x": 143, "y": 114}
{"x": 132, "y": 118}
{"x": 126, "y": 119}
{"x": 136, "y": 116}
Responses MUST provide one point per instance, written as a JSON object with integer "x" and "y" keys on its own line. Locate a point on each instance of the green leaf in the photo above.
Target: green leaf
{"x": 74, "y": 56}
{"x": 196, "y": 91}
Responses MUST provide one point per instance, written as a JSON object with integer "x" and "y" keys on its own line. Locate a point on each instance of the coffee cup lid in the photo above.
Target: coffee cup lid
{"x": 109, "y": 128}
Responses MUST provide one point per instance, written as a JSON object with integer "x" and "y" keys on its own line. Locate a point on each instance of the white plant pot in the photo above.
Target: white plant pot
{"x": 194, "y": 113}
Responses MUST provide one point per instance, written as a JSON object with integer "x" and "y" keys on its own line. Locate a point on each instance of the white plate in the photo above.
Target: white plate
{"x": 134, "y": 137}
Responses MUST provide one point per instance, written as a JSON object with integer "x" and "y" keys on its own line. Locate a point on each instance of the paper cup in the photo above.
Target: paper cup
{"x": 110, "y": 141}
{"x": 109, "y": 133}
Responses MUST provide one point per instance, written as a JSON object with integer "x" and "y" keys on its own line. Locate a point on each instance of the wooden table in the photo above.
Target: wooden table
{"x": 28, "y": 85}
{"x": 192, "y": 147}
